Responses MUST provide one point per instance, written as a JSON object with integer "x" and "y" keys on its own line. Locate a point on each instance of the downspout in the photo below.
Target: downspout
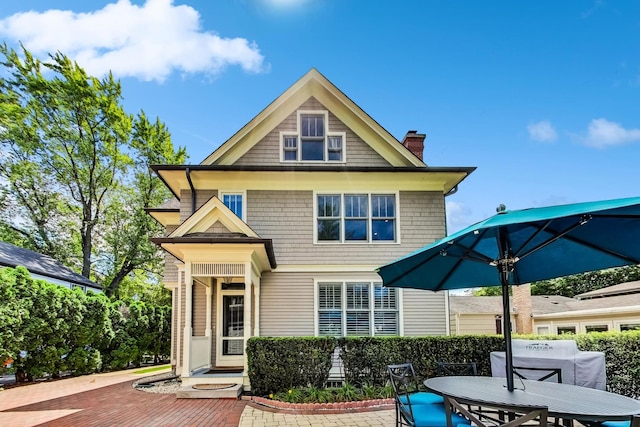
{"x": 193, "y": 191}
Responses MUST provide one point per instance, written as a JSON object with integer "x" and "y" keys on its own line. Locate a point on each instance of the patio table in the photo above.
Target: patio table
{"x": 566, "y": 401}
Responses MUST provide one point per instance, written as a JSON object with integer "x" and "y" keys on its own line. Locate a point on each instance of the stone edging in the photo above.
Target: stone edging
{"x": 335, "y": 406}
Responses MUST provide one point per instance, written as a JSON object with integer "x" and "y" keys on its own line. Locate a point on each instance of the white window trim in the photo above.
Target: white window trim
{"x": 243, "y": 193}
{"x": 369, "y": 241}
{"x": 575, "y": 326}
{"x": 327, "y": 133}
{"x": 372, "y": 310}
{"x": 607, "y": 323}
{"x": 631, "y": 321}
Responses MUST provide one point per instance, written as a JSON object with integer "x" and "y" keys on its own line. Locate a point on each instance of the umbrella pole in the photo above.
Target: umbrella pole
{"x": 506, "y": 325}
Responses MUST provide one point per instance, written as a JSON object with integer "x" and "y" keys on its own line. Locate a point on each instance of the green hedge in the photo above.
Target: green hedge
{"x": 46, "y": 329}
{"x": 281, "y": 364}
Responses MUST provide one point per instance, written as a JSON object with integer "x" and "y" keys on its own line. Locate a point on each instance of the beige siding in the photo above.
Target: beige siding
{"x": 170, "y": 268}
{"x": 202, "y": 196}
{"x": 199, "y": 309}
{"x": 424, "y": 312}
{"x": 477, "y": 324}
{"x": 287, "y": 218}
{"x": 267, "y": 150}
{"x": 286, "y": 304}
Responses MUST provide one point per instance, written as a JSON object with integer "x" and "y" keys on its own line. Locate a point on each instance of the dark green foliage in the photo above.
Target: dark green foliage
{"x": 281, "y": 364}
{"x": 366, "y": 359}
{"x": 48, "y": 329}
{"x": 571, "y": 286}
{"x": 275, "y": 364}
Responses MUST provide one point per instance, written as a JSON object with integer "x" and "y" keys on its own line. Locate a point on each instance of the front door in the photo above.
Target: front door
{"x": 230, "y": 343}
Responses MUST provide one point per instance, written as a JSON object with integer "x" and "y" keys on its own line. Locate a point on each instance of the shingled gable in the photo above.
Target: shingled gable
{"x": 313, "y": 84}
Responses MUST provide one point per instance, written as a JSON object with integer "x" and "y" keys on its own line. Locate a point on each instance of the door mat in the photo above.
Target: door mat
{"x": 211, "y": 386}
{"x": 225, "y": 371}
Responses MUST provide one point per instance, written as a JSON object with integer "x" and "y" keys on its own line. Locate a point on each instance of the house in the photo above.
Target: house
{"x": 471, "y": 315}
{"x": 43, "y": 267}
{"x": 278, "y": 232}
{"x": 614, "y": 308}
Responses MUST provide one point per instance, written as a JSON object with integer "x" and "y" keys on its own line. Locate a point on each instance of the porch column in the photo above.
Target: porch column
{"x": 247, "y": 308}
{"x": 188, "y": 312}
{"x": 178, "y": 330}
{"x": 256, "y": 321}
{"x": 207, "y": 329}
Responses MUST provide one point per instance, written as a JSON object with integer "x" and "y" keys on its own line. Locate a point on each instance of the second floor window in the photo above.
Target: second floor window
{"x": 356, "y": 218}
{"x": 313, "y": 141}
{"x": 234, "y": 202}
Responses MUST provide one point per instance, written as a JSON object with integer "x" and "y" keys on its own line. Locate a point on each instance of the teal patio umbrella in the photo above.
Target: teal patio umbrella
{"x": 524, "y": 246}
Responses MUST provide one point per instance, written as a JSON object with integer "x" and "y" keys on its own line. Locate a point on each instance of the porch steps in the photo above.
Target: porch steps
{"x": 232, "y": 391}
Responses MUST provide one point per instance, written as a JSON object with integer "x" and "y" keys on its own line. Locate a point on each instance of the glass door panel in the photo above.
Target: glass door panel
{"x": 232, "y": 325}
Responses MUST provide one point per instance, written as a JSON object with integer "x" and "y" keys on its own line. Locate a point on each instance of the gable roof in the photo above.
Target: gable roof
{"x": 314, "y": 84}
{"x": 619, "y": 289}
{"x": 44, "y": 265}
{"x": 540, "y": 304}
{"x": 211, "y": 212}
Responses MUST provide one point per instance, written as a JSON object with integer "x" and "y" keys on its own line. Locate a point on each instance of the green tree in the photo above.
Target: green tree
{"x": 570, "y": 286}
{"x": 74, "y": 176}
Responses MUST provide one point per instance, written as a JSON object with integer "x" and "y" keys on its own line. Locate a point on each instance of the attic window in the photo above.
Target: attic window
{"x": 312, "y": 141}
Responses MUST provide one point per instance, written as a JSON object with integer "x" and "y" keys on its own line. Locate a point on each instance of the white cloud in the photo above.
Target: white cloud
{"x": 603, "y": 133}
{"x": 542, "y": 131}
{"x": 147, "y": 42}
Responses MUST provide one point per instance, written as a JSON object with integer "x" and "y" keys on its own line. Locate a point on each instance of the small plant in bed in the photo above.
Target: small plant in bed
{"x": 346, "y": 393}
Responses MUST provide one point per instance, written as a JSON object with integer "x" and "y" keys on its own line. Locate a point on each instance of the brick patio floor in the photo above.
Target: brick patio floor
{"x": 110, "y": 400}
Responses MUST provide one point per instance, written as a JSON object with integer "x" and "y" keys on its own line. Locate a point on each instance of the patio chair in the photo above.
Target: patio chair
{"x": 525, "y": 373}
{"x": 415, "y": 408}
{"x": 518, "y": 415}
{"x": 633, "y": 422}
{"x": 448, "y": 369}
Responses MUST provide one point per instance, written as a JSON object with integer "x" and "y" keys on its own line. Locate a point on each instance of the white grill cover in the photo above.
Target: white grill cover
{"x": 583, "y": 368}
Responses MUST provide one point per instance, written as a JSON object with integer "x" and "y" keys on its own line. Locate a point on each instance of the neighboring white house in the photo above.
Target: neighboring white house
{"x": 44, "y": 267}
{"x": 279, "y": 231}
{"x": 615, "y": 308}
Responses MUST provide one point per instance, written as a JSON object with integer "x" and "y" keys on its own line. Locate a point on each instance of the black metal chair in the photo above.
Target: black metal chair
{"x": 415, "y": 408}
{"x": 525, "y": 373}
{"x": 518, "y": 415}
{"x": 541, "y": 374}
{"x": 448, "y": 369}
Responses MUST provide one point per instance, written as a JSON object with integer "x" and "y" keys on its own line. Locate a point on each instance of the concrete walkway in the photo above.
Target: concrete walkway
{"x": 110, "y": 400}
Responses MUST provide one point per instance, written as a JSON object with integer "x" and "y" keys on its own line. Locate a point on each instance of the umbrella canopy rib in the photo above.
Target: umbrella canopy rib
{"x": 558, "y": 235}
{"x": 533, "y": 236}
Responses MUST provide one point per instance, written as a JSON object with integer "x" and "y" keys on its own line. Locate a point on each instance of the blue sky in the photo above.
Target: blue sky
{"x": 543, "y": 97}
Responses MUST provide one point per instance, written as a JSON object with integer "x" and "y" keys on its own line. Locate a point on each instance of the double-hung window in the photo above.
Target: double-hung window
{"x": 312, "y": 141}
{"x": 234, "y": 201}
{"x": 356, "y": 218}
{"x": 357, "y": 309}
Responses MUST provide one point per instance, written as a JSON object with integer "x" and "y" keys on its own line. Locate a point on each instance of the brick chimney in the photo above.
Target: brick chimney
{"x": 414, "y": 142}
{"x": 524, "y": 310}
